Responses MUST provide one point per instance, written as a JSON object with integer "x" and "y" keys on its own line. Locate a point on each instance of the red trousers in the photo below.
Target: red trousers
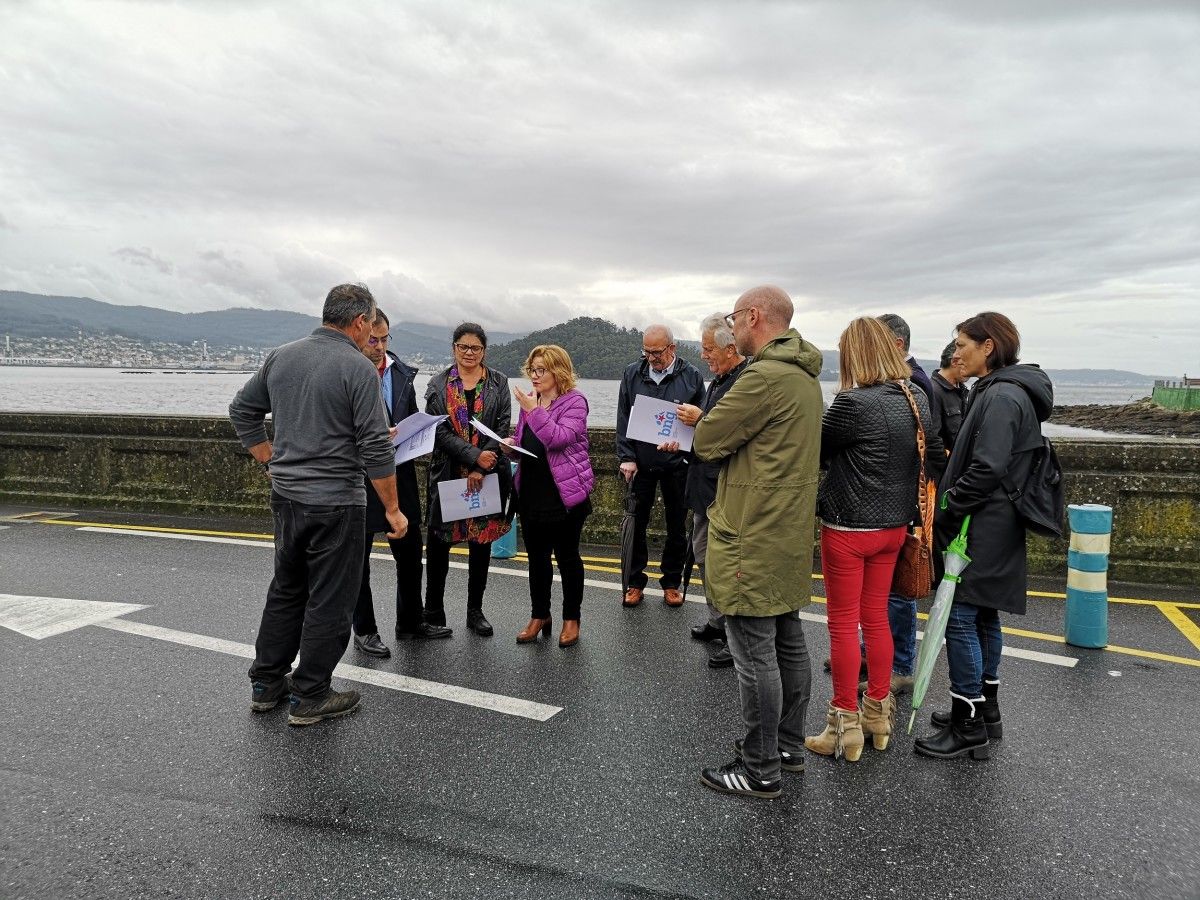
{"x": 858, "y": 569}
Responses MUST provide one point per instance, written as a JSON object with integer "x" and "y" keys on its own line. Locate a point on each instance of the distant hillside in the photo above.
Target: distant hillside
{"x": 37, "y": 315}
{"x": 598, "y": 348}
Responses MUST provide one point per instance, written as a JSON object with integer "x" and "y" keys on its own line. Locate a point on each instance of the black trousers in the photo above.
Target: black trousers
{"x": 672, "y": 482}
{"x": 437, "y": 556}
{"x": 561, "y": 539}
{"x": 407, "y": 554}
{"x": 318, "y": 564}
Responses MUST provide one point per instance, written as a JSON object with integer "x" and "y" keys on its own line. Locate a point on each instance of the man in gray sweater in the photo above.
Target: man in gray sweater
{"x": 323, "y": 394}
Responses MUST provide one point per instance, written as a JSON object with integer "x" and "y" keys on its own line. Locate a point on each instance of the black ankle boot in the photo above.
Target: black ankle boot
{"x": 989, "y": 710}
{"x": 478, "y": 624}
{"x": 965, "y": 732}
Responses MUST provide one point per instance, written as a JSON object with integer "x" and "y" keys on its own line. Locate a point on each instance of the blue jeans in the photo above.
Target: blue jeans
{"x": 973, "y": 645}
{"x": 902, "y": 616}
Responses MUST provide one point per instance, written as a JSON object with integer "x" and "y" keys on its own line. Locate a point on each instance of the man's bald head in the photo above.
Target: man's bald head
{"x": 759, "y": 316}
{"x": 772, "y": 303}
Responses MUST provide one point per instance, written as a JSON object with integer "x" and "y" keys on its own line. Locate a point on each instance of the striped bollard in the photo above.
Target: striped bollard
{"x": 1087, "y": 575}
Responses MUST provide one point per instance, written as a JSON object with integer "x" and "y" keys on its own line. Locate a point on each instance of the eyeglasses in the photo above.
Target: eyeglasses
{"x": 375, "y": 341}
{"x": 469, "y": 348}
{"x": 729, "y": 319}
{"x": 536, "y": 373}
{"x": 655, "y": 354}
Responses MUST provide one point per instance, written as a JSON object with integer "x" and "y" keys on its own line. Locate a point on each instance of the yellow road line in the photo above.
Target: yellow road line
{"x": 1180, "y": 620}
{"x": 77, "y": 522}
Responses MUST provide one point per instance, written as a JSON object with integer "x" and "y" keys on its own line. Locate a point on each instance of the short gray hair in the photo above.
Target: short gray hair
{"x": 716, "y": 325}
{"x": 347, "y": 302}
{"x": 659, "y": 327}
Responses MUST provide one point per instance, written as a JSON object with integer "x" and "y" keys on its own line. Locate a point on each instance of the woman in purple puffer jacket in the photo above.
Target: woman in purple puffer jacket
{"x": 553, "y": 486}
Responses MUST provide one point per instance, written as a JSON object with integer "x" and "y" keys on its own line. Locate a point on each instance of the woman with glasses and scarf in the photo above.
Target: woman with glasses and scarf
{"x": 465, "y": 391}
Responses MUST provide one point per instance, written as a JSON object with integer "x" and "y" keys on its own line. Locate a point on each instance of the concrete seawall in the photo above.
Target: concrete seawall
{"x": 184, "y": 464}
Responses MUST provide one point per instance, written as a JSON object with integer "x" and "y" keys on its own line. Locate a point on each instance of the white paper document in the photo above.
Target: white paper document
{"x": 654, "y": 421}
{"x": 414, "y": 436}
{"x": 459, "y": 503}
{"x": 484, "y": 430}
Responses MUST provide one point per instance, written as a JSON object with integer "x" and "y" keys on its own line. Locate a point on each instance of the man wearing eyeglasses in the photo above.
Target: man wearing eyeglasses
{"x": 662, "y": 375}
{"x": 766, "y": 433}
{"x": 399, "y": 401}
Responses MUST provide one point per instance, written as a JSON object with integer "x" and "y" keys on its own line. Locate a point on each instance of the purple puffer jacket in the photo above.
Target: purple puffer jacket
{"x": 563, "y": 430}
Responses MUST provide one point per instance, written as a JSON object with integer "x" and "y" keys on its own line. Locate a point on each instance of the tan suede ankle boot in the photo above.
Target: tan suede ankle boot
{"x": 843, "y": 735}
{"x": 878, "y": 719}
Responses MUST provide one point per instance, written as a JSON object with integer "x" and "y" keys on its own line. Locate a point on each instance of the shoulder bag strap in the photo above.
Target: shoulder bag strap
{"x": 922, "y": 481}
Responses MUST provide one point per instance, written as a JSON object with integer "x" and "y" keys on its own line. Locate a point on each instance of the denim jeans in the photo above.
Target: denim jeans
{"x": 973, "y": 645}
{"x": 318, "y": 564}
{"x": 902, "y": 616}
{"x": 775, "y": 682}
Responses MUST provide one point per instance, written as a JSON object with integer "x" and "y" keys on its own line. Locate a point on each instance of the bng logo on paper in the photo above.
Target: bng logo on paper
{"x": 474, "y": 499}
{"x": 665, "y": 422}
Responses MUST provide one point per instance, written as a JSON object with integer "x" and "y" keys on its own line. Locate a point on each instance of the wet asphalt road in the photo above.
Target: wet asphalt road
{"x": 133, "y": 767}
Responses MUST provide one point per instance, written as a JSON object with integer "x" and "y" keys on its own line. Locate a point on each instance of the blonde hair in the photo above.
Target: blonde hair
{"x": 869, "y": 355}
{"x": 557, "y": 362}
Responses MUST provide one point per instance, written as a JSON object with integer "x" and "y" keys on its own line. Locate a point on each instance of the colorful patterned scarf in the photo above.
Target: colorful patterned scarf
{"x": 480, "y": 530}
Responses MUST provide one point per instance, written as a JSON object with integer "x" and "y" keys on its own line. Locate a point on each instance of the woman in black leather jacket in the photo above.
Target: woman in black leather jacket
{"x": 465, "y": 391}
{"x": 865, "y": 503}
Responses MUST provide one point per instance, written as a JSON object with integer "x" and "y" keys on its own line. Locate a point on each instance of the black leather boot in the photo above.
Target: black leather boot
{"x": 989, "y": 710}
{"x": 478, "y": 624}
{"x": 965, "y": 733}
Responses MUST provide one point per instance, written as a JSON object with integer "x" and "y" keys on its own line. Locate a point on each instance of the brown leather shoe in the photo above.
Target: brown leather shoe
{"x": 633, "y": 597}
{"x": 529, "y": 635}
{"x": 570, "y": 633}
{"x": 673, "y": 596}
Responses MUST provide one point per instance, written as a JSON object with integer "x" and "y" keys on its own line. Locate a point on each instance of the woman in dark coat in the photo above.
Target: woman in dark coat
{"x": 465, "y": 391}
{"x": 1001, "y": 429}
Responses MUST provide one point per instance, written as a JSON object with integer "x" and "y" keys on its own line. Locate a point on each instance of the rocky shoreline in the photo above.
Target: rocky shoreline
{"x": 1141, "y": 417}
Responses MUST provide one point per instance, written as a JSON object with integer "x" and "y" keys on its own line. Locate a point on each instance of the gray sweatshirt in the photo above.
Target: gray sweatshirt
{"x": 324, "y": 397}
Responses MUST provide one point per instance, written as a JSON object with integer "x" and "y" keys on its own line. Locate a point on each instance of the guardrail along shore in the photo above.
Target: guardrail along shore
{"x": 195, "y": 466}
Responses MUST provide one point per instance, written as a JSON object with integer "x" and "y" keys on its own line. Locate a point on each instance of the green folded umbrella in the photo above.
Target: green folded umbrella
{"x": 954, "y": 559}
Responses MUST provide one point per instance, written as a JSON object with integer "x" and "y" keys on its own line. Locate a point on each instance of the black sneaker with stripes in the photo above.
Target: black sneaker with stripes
{"x": 732, "y": 778}
{"x": 789, "y": 762}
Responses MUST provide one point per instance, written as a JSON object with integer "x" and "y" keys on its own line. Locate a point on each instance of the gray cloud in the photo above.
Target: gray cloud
{"x": 521, "y": 163}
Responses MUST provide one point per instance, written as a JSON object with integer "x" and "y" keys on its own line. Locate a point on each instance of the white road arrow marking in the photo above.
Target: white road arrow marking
{"x": 43, "y": 617}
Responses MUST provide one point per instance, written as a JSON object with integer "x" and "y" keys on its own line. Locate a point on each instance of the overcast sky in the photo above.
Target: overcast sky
{"x": 519, "y": 164}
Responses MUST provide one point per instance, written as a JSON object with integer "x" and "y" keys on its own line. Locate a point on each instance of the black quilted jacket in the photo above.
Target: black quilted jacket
{"x": 869, "y": 445}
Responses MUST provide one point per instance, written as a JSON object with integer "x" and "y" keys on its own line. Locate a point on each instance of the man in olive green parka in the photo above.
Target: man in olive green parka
{"x": 767, "y": 432}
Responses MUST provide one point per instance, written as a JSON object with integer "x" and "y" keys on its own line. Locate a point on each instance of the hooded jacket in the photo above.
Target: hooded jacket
{"x": 1001, "y": 429}
{"x": 766, "y": 430}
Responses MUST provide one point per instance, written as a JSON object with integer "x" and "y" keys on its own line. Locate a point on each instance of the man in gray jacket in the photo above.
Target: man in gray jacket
{"x": 329, "y": 423}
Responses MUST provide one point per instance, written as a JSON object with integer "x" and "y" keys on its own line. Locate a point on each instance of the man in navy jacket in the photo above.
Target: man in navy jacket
{"x": 660, "y": 373}
{"x": 399, "y": 402}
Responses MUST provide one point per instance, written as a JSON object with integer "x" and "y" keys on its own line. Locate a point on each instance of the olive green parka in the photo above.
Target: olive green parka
{"x": 767, "y": 432}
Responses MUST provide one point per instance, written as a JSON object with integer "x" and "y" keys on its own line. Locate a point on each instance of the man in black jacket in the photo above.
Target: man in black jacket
{"x": 399, "y": 402}
{"x": 663, "y": 375}
{"x": 951, "y": 397}
{"x": 902, "y": 611}
{"x": 718, "y": 349}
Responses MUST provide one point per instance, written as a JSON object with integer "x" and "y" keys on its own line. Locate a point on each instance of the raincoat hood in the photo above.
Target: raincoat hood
{"x": 1031, "y": 379}
{"x": 790, "y": 348}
